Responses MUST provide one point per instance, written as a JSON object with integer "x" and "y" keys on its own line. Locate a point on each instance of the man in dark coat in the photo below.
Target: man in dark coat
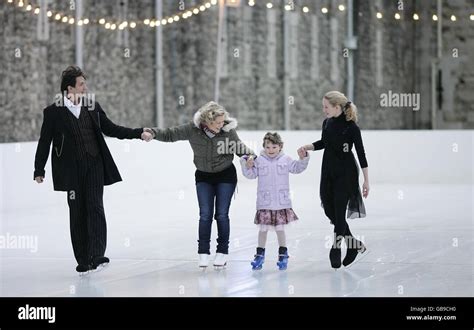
{"x": 81, "y": 164}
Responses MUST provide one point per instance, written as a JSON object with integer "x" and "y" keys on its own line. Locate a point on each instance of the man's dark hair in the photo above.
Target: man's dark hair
{"x": 69, "y": 77}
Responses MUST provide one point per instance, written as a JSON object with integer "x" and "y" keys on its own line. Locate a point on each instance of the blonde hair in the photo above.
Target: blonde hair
{"x": 274, "y": 138}
{"x": 210, "y": 111}
{"x": 348, "y": 108}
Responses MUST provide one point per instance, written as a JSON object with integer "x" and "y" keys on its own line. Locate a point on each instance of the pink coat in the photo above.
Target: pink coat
{"x": 273, "y": 191}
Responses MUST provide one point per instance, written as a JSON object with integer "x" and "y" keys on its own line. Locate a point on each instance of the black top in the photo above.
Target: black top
{"x": 337, "y": 131}
{"x": 337, "y": 138}
{"x": 229, "y": 175}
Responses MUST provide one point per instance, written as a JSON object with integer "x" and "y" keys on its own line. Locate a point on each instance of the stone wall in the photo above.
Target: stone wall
{"x": 392, "y": 55}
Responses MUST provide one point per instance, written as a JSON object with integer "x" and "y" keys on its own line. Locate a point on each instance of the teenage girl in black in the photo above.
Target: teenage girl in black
{"x": 339, "y": 188}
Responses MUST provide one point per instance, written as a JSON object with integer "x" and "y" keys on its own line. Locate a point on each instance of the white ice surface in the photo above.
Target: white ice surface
{"x": 420, "y": 234}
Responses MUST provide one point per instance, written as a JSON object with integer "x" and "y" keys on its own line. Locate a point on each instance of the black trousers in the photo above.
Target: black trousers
{"x": 86, "y": 211}
{"x": 335, "y": 206}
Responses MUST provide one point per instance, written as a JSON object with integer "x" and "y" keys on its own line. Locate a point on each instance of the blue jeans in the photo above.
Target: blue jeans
{"x": 222, "y": 194}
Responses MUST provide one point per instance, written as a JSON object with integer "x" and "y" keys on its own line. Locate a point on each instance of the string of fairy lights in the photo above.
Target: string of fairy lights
{"x": 113, "y": 24}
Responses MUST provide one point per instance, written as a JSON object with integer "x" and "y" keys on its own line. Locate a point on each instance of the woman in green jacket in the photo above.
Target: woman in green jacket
{"x": 214, "y": 141}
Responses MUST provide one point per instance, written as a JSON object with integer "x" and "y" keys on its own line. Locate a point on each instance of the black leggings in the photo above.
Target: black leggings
{"x": 335, "y": 201}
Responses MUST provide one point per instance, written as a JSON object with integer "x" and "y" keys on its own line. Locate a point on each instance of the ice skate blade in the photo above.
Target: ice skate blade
{"x": 281, "y": 266}
{"x": 255, "y": 266}
{"x": 100, "y": 267}
{"x": 361, "y": 255}
{"x": 336, "y": 268}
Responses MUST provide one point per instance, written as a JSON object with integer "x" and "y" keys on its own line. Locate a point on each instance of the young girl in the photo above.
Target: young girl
{"x": 274, "y": 210}
{"x": 339, "y": 187}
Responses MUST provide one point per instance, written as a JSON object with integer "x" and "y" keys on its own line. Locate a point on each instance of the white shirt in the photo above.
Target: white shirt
{"x": 75, "y": 109}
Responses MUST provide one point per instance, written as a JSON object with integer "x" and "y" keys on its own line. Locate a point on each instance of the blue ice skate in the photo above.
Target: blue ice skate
{"x": 283, "y": 260}
{"x": 257, "y": 263}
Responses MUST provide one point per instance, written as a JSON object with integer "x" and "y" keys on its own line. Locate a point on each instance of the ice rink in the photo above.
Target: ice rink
{"x": 418, "y": 229}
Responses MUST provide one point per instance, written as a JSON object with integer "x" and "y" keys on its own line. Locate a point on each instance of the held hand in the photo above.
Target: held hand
{"x": 302, "y": 149}
{"x": 307, "y": 147}
{"x": 147, "y": 134}
{"x": 250, "y": 162}
{"x": 365, "y": 189}
{"x": 302, "y": 153}
{"x": 147, "y": 137}
{"x": 39, "y": 179}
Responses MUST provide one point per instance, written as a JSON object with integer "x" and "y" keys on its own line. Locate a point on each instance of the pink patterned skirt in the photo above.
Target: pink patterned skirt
{"x": 274, "y": 219}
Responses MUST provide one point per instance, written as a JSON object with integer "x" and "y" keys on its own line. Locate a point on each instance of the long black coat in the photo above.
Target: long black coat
{"x": 337, "y": 138}
{"x": 57, "y": 128}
